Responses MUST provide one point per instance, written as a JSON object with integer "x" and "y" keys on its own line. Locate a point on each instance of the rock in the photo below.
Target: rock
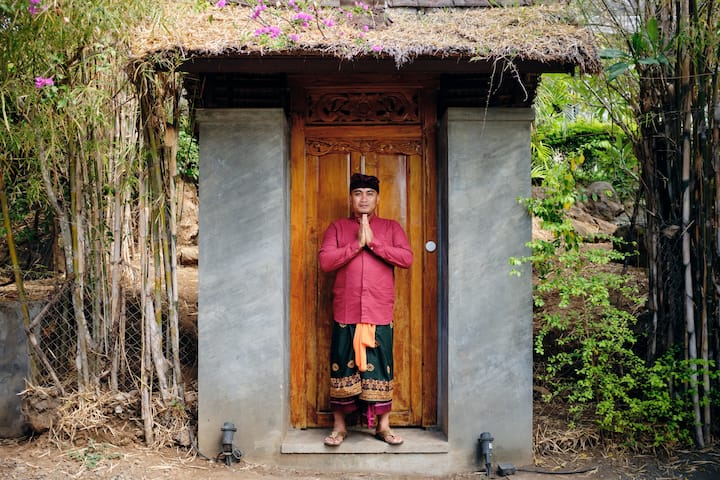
{"x": 40, "y": 412}
{"x": 602, "y": 201}
{"x": 182, "y": 438}
{"x": 587, "y": 225}
{"x": 188, "y": 255}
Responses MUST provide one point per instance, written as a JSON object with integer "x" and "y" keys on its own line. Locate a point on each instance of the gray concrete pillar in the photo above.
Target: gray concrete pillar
{"x": 243, "y": 279}
{"x": 489, "y": 320}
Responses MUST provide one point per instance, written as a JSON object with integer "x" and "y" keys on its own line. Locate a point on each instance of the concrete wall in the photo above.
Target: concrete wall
{"x": 489, "y": 312}
{"x": 486, "y": 322}
{"x": 14, "y": 367}
{"x": 243, "y": 279}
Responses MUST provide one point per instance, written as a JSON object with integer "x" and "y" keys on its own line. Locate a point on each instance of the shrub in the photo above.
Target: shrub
{"x": 586, "y": 335}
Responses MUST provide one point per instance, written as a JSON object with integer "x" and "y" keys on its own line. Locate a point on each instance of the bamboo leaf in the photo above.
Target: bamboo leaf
{"x": 617, "y": 69}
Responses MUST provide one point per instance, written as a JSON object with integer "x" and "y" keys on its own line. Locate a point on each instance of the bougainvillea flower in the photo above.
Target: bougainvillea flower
{"x": 41, "y": 82}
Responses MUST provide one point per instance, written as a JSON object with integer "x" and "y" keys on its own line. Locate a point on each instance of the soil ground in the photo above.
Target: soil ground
{"x": 40, "y": 459}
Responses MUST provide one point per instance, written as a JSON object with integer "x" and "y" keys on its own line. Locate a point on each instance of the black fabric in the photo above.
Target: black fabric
{"x": 358, "y": 180}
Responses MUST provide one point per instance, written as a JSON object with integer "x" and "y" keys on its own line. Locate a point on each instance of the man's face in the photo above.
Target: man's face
{"x": 363, "y": 200}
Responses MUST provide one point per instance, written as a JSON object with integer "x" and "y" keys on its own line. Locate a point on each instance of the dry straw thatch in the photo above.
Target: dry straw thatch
{"x": 540, "y": 33}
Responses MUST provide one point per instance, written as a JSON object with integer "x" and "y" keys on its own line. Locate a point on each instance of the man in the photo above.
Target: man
{"x": 363, "y": 251}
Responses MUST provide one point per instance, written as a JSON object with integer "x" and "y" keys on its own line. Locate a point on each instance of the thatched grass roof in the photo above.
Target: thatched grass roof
{"x": 541, "y": 33}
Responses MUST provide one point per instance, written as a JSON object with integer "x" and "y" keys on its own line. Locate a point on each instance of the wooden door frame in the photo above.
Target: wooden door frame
{"x": 426, "y": 87}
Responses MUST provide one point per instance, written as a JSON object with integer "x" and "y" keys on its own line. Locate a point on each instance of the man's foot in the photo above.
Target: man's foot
{"x": 389, "y": 437}
{"x": 335, "y": 438}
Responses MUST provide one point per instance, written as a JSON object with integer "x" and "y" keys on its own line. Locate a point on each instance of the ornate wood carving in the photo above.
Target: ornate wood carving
{"x": 322, "y": 147}
{"x": 364, "y": 108}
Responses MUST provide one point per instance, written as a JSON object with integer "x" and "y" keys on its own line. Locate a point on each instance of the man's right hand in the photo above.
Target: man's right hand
{"x": 361, "y": 230}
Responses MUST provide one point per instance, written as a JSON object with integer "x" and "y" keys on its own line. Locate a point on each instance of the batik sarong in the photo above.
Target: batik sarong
{"x": 350, "y": 389}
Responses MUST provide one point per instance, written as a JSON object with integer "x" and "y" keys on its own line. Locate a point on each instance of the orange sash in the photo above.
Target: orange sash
{"x": 364, "y": 338}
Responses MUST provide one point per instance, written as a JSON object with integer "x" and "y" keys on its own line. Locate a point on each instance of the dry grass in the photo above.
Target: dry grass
{"x": 80, "y": 417}
{"x": 543, "y": 33}
{"x": 553, "y": 437}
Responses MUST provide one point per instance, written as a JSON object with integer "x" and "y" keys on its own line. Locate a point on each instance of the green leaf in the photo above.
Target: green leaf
{"x": 638, "y": 44}
{"x": 614, "y": 71}
{"x": 653, "y": 31}
{"x": 610, "y": 53}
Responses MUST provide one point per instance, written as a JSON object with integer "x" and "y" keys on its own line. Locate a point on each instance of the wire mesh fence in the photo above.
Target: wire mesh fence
{"x": 118, "y": 349}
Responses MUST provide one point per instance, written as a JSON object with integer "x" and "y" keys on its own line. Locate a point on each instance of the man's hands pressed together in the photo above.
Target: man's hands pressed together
{"x": 365, "y": 233}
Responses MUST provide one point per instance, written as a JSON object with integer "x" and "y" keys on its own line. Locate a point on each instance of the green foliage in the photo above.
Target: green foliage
{"x": 599, "y": 149}
{"x": 567, "y": 110}
{"x": 62, "y": 83}
{"x": 188, "y": 155}
{"x": 93, "y": 454}
{"x": 586, "y": 340}
{"x": 647, "y": 47}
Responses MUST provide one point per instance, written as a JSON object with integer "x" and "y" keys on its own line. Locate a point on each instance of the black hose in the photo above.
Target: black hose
{"x": 557, "y": 472}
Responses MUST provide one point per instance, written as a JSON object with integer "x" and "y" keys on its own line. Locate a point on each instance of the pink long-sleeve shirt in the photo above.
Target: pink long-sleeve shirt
{"x": 364, "y": 290}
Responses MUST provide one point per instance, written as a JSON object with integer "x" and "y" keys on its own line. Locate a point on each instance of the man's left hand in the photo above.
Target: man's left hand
{"x": 368, "y": 233}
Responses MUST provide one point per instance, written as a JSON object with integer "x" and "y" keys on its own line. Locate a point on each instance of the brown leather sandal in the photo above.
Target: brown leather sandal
{"x": 335, "y": 438}
{"x": 389, "y": 437}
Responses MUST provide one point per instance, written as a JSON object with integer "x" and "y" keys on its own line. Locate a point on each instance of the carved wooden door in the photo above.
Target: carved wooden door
{"x": 384, "y": 132}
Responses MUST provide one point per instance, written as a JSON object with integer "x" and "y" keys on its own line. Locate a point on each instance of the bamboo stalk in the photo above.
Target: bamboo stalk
{"x": 32, "y": 339}
{"x": 167, "y": 242}
{"x": 19, "y": 284}
{"x": 78, "y": 286}
{"x": 686, "y": 116}
{"x": 145, "y": 360}
{"x": 171, "y": 144}
{"x": 155, "y": 323}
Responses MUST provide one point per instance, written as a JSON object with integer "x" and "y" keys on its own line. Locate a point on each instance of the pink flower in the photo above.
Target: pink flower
{"x": 41, "y": 82}
{"x": 305, "y": 17}
{"x": 34, "y": 8}
{"x": 294, "y": 38}
{"x": 329, "y": 22}
{"x": 377, "y": 48}
{"x": 258, "y": 10}
{"x": 272, "y": 32}
{"x": 221, "y": 3}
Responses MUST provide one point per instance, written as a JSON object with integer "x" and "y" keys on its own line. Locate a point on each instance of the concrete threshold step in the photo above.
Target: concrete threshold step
{"x": 362, "y": 440}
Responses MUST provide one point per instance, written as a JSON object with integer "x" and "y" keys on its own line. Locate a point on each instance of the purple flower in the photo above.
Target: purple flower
{"x": 329, "y": 22}
{"x": 377, "y": 48}
{"x": 272, "y": 32}
{"x": 41, "y": 82}
{"x": 366, "y": 28}
{"x": 221, "y": 3}
{"x": 35, "y": 7}
{"x": 304, "y": 17}
{"x": 294, "y": 38}
{"x": 258, "y": 10}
